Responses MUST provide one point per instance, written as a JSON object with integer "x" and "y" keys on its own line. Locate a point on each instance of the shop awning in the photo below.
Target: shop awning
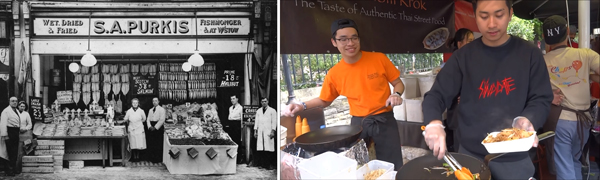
{"x": 529, "y": 9}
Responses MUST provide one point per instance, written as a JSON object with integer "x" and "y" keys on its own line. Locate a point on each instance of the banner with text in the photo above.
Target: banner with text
{"x": 388, "y": 26}
{"x": 140, "y": 26}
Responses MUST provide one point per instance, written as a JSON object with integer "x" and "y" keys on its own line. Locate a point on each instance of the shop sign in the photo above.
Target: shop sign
{"x": 143, "y": 85}
{"x": 64, "y": 97}
{"x": 36, "y": 109}
{"x": 140, "y": 26}
{"x": 229, "y": 79}
{"x": 249, "y": 112}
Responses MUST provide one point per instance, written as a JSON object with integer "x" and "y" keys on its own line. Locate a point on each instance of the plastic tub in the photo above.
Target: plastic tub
{"x": 328, "y": 165}
{"x": 519, "y": 145}
{"x": 400, "y": 111}
{"x": 389, "y": 175}
{"x": 414, "y": 110}
{"x": 425, "y": 84}
{"x": 411, "y": 87}
{"x": 374, "y": 165}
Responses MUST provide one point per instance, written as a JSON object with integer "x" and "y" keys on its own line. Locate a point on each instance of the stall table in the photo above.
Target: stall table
{"x": 223, "y": 163}
{"x": 103, "y": 141}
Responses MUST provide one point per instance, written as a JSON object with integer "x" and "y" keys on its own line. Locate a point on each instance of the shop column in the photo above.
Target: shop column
{"x": 37, "y": 75}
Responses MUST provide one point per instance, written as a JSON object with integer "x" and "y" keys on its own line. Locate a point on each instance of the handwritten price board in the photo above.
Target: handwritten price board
{"x": 64, "y": 97}
{"x": 144, "y": 85}
{"x": 35, "y": 109}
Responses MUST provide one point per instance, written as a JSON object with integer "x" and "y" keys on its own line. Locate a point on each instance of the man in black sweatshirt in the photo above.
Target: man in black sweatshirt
{"x": 502, "y": 82}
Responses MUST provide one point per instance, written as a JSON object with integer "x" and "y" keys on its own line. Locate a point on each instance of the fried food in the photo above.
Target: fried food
{"x": 508, "y": 135}
{"x": 374, "y": 174}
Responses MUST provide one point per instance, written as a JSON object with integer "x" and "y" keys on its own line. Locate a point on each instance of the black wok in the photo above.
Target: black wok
{"x": 415, "y": 168}
{"x": 330, "y": 138}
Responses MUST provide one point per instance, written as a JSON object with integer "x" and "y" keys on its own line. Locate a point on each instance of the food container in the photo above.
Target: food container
{"x": 400, "y": 112}
{"x": 411, "y": 87}
{"x": 374, "y": 165}
{"x": 519, "y": 145}
{"x": 414, "y": 110}
{"x": 328, "y": 165}
{"x": 389, "y": 175}
{"x": 425, "y": 84}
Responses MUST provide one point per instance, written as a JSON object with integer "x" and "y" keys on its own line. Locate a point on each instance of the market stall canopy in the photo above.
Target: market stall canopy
{"x": 529, "y": 9}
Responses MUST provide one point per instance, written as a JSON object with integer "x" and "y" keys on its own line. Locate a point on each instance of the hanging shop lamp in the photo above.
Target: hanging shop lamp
{"x": 88, "y": 59}
{"x": 73, "y": 67}
{"x": 187, "y": 67}
{"x": 196, "y": 59}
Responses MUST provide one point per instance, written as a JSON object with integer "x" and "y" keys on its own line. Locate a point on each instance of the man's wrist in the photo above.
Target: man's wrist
{"x": 397, "y": 93}
{"x": 303, "y": 105}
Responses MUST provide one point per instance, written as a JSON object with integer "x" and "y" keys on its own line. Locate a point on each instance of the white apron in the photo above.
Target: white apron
{"x": 265, "y": 124}
{"x": 7, "y": 113}
{"x": 137, "y": 136}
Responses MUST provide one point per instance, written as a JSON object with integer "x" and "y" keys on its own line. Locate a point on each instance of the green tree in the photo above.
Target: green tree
{"x": 526, "y": 29}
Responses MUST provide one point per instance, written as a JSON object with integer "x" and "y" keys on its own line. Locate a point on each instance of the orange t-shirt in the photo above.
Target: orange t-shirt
{"x": 365, "y": 83}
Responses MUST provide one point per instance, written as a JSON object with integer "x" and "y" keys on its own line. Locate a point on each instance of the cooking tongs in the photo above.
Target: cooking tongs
{"x": 459, "y": 171}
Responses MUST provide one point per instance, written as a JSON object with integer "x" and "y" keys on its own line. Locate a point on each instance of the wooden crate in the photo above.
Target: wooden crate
{"x": 51, "y": 142}
{"x": 38, "y": 169}
{"x": 75, "y": 164}
{"x": 49, "y": 152}
{"x": 38, "y": 159}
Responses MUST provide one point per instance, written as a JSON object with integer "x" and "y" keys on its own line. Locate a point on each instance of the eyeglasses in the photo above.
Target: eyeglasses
{"x": 345, "y": 41}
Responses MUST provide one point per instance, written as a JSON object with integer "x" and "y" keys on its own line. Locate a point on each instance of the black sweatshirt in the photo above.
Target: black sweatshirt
{"x": 495, "y": 85}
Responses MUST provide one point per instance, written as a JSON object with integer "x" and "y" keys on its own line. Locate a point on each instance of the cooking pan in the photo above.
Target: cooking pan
{"x": 329, "y": 138}
{"x": 415, "y": 169}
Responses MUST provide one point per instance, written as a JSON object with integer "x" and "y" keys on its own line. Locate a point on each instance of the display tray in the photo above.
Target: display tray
{"x": 223, "y": 162}
{"x": 203, "y": 141}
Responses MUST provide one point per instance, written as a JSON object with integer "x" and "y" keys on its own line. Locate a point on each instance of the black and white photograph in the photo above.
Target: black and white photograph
{"x": 439, "y": 89}
{"x": 132, "y": 89}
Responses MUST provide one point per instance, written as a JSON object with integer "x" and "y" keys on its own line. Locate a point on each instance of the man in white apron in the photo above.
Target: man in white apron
{"x": 9, "y": 133}
{"x": 265, "y": 131}
{"x": 137, "y": 137}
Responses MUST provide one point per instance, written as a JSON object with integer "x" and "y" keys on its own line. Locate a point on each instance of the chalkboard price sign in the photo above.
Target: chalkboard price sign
{"x": 36, "y": 109}
{"x": 144, "y": 85}
{"x": 249, "y": 112}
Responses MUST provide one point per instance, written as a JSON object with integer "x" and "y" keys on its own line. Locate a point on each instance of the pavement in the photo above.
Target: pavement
{"x": 141, "y": 170}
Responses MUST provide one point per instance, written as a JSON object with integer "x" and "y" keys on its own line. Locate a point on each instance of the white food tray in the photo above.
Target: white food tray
{"x": 519, "y": 145}
{"x": 328, "y": 165}
{"x": 374, "y": 165}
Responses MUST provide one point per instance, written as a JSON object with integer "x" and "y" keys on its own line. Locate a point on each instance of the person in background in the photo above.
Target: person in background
{"x": 24, "y": 134}
{"x": 476, "y": 72}
{"x": 154, "y": 140}
{"x": 235, "y": 125}
{"x": 461, "y": 38}
{"x": 572, "y": 35}
{"x": 137, "y": 138}
{"x": 10, "y": 123}
{"x": 265, "y": 130}
{"x": 569, "y": 70}
{"x": 364, "y": 78}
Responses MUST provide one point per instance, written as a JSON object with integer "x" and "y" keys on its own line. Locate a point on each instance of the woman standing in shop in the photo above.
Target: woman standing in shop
{"x": 461, "y": 38}
{"x": 24, "y": 133}
{"x": 137, "y": 137}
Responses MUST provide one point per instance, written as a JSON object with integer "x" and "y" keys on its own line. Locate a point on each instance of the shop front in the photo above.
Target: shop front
{"x": 140, "y": 51}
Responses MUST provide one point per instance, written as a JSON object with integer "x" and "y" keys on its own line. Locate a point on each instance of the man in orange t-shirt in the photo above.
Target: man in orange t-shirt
{"x": 363, "y": 78}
